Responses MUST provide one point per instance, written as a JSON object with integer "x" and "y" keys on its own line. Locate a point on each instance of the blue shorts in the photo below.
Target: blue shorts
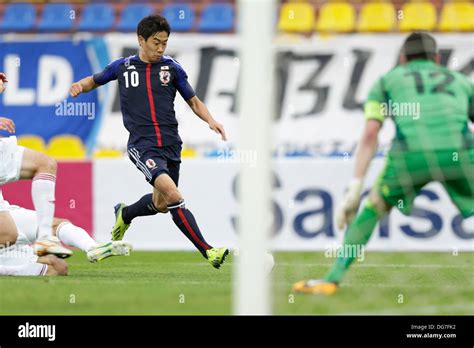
{"x": 154, "y": 161}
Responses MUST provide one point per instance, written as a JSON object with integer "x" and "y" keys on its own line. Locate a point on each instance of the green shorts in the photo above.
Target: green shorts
{"x": 405, "y": 174}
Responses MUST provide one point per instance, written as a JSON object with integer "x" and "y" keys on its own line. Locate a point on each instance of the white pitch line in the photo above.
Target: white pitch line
{"x": 402, "y": 309}
{"x": 385, "y": 265}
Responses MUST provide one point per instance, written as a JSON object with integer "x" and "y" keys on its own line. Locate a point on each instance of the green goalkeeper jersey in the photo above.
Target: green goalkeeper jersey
{"x": 429, "y": 104}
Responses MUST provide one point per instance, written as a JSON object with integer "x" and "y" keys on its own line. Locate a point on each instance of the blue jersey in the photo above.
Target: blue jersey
{"x": 147, "y": 93}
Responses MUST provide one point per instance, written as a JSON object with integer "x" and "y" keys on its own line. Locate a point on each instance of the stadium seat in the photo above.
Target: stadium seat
{"x": 457, "y": 16}
{"x": 418, "y": 16}
{"x": 336, "y": 17}
{"x": 18, "y": 17}
{"x": 377, "y": 16}
{"x": 33, "y": 142}
{"x": 189, "y": 153}
{"x": 66, "y": 147}
{"x": 97, "y": 17}
{"x": 179, "y": 16}
{"x": 108, "y": 153}
{"x": 131, "y": 15}
{"x": 217, "y": 18}
{"x": 57, "y": 17}
{"x": 296, "y": 17}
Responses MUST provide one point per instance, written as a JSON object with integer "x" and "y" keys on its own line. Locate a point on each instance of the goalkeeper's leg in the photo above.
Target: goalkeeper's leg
{"x": 357, "y": 236}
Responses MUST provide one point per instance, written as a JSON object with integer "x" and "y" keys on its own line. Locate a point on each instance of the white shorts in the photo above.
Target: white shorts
{"x": 11, "y": 156}
{"x": 20, "y": 259}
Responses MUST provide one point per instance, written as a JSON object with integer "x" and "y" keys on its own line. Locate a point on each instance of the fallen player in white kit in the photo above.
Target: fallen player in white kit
{"x": 19, "y": 259}
{"x": 20, "y": 163}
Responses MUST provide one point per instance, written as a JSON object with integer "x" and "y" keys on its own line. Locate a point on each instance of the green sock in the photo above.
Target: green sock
{"x": 357, "y": 235}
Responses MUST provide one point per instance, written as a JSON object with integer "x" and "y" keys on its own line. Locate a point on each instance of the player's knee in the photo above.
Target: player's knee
{"x": 45, "y": 164}
{"x": 162, "y": 207}
{"x": 379, "y": 203}
{"x": 172, "y": 196}
{"x": 51, "y": 166}
{"x": 56, "y": 223}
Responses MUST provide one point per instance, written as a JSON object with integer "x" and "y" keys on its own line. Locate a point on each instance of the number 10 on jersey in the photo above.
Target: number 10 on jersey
{"x": 133, "y": 78}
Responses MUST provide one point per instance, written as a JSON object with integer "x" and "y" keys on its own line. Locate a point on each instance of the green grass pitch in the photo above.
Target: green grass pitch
{"x": 182, "y": 283}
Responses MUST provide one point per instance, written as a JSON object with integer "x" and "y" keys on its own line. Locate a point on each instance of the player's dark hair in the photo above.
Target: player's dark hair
{"x": 152, "y": 24}
{"x": 419, "y": 45}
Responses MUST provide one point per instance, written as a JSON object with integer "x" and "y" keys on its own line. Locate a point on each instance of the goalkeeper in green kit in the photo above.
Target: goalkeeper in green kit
{"x": 431, "y": 107}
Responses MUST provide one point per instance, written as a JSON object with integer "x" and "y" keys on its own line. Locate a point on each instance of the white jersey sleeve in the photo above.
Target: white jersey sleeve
{"x": 30, "y": 269}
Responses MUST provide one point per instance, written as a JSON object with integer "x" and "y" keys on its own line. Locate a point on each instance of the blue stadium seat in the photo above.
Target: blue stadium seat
{"x": 179, "y": 16}
{"x": 18, "y": 17}
{"x": 97, "y": 17}
{"x": 57, "y": 17}
{"x": 217, "y": 18}
{"x": 131, "y": 15}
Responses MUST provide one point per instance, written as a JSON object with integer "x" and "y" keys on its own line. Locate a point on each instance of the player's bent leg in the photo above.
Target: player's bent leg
{"x": 159, "y": 202}
{"x": 34, "y": 163}
{"x": 42, "y": 170}
{"x": 185, "y": 221}
{"x": 357, "y": 235}
{"x": 124, "y": 214}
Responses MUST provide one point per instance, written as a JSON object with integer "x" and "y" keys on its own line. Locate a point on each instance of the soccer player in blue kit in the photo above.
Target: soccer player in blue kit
{"x": 148, "y": 82}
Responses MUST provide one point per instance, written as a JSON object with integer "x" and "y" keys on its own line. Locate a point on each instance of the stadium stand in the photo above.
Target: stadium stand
{"x": 66, "y": 147}
{"x": 179, "y": 16}
{"x": 418, "y": 16}
{"x": 457, "y": 16}
{"x": 18, "y": 17}
{"x": 57, "y": 18}
{"x": 131, "y": 15}
{"x": 217, "y": 18}
{"x": 377, "y": 17}
{"x": 297, "y": 17}
{"x": 97, "y": 17}
{"x": 33, "y": 142}
{"x": 336, "y": 17}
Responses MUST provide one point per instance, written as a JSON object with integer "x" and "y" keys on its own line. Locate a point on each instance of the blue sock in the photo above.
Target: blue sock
{"x": 184, "y": 219}
{"x": 143, "y": 207}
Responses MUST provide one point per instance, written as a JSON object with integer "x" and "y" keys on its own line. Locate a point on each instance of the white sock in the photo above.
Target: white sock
{"x": 42, "y": 193}
{"x": 75, "y": 236}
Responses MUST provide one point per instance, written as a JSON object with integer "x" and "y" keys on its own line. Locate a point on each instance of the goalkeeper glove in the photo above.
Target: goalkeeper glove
{"x": 347, "y": 209}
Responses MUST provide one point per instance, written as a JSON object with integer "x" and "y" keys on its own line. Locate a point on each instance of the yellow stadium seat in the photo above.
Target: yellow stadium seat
{"x": 108, "y": 153}
{"x": 337, "y": 17}
{"x": 33, "y": 142}
{"x": 377, "y": 16}
{"x": 66, "y": 147}
{"x": 296, "y": 17}
{"x": 457, "y": 16}
{"x": 189, "y": 153}
{"x": 418, "y": 16}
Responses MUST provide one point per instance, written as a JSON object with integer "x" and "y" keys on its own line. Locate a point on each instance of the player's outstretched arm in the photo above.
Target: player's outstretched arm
{"x": 201, "y": 110}
{"x": 85, "y": 85}
{"x": 347, "y": 210}
{"x": 57, "y": 266}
